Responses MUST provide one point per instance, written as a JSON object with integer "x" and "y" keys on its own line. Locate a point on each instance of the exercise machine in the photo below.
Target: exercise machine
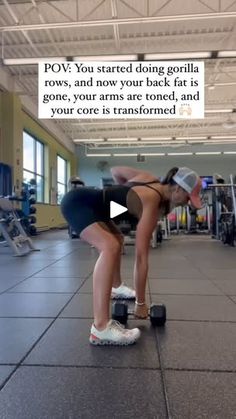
{"x": 74, "y": 183}
{"x": 12, "y": 230}
{"x": 224, "y": 203}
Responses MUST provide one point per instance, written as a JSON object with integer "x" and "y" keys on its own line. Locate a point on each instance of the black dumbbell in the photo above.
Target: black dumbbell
{"x": 32, "y": 219}
{"x": 33, "y": 230}
{"x": 120, "y": 312}
{"x": 32, "y": 201}
{"x": 157, "y": 313}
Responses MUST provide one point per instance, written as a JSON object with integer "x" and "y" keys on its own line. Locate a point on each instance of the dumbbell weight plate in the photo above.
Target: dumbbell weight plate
{"x": 158, "y": 314}
{"x": 120, "y": 312}
{"x": 32, "y": 219}
{"x": 33, "y": 230}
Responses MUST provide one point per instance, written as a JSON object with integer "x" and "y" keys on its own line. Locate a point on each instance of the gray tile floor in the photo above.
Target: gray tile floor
{"x": 186, "y": 370}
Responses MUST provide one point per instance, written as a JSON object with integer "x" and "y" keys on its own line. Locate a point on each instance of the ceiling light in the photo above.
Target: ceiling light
{"x": 219, "y": 137}
{"x": 36, "y": 60}
{"x": 124, "y": 154}
{"x": 177, "y": 55}
{"x": 118, "y": 140}
{"x": 226, "y": 54}
{"x": 218, "y": 110}
{"x": 31, "y": 60}
{"x": 98, "y": 155}
{"x": 89, "y": 140}
{"x": 202, "y": 153}
{"x": 156, "y": 139}
{"x": 210, "y": 86}
{"x": 162, "y": 143}
{"x": 154, "y": 144}
{"x": 153, "y": 154}
{"x": 230, "y": 83}
{"x": 229, "y": 152}
{"x": 179, "y": 154}
{"x": 191, "y": 138}
{"x": 130, "y": 57}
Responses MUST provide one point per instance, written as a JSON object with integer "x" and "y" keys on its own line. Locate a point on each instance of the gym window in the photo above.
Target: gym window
{"x": 33, "y": 163}
{"x": 62, "y": 178}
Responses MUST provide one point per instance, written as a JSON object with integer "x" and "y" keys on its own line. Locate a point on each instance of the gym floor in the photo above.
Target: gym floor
{"x": 186, "y": 370}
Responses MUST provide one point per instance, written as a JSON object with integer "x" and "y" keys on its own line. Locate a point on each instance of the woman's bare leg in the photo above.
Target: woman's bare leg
{"x": 116, "y": 281}
{"x": 104, "y": 270}
{"x": 112, "y": 227}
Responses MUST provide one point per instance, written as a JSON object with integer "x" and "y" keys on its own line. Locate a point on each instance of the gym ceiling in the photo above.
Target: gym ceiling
{"x": 75, "y": 28}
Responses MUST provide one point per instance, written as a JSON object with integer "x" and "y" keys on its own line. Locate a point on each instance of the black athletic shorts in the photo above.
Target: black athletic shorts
{"x": 84, "y": 206}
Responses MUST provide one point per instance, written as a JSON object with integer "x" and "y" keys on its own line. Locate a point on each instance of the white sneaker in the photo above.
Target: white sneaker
{"x": 123, "y": 293}
{"x": 114, "y": 334}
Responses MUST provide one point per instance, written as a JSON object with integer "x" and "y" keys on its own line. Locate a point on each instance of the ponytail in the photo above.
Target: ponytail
{"x": 168, "y": 179}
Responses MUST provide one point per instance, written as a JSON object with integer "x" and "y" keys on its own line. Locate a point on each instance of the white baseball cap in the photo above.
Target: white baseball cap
{"x": 191, "y": 183}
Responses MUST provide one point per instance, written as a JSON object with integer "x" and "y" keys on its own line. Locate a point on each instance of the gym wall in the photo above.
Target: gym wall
{"x": 13, "y": 120}
{"x": 204, "y": 165}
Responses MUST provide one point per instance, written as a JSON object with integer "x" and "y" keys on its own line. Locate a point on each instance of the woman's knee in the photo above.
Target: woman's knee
{"x": 102, "y": 239}
{"x": 112, "y": 246}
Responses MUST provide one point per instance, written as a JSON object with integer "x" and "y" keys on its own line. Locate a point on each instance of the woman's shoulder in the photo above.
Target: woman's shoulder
{"x": 145, "y": 178}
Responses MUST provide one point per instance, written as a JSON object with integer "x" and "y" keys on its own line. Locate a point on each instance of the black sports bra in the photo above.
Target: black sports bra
{"x": 165, "y": 204}
{"x": 146, "y": 184}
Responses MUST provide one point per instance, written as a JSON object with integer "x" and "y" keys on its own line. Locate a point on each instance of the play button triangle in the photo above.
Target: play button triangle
{"x": 116, "y": 209}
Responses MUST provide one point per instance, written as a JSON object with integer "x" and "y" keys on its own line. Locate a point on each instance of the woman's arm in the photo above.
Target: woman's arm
{"x": 145, "y": 228}
{"x": 123, "y": 174}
